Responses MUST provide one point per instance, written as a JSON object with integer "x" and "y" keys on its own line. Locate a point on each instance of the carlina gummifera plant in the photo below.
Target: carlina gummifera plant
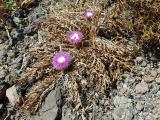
{"x": 75, "y": 37}
{"x": 61, "y": 60}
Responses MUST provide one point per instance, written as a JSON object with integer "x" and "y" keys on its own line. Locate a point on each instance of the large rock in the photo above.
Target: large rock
{"x": 13, "y": 95}
{"x": 49, "y": 109}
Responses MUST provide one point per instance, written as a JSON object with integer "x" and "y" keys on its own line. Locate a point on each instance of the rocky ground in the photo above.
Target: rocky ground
{"x": 132, "y": 98}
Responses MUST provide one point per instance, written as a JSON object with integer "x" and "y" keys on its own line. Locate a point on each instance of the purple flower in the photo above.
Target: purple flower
{"x": 61, "y": 60}
{"x": 88, "y": 15}
{"x": 75, "y": 37}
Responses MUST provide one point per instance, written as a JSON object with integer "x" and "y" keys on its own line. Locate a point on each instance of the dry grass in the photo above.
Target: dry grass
{"x": 136, "y": 19}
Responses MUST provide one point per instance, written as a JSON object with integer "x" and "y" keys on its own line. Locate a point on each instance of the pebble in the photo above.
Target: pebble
{"x": 154, "y": 73}
{"x": 1, "y": 106}
{"x": 12, "y": 95}
{"x": 139, "y": 60}
{"x": 3, "y": 55}
{"x": 122, "y": 113}
{"x": 148, "y": 78}
{"x": 122, "y": 101}
{"x": 11, "y": 53}
{"x": 144, "y": 64}
{"x": 3, "y": 73}
{"x": 158, "y": 80}
{"x": 16, "y": 20}
{"x": 3, "y": 52}
{"x": 154, "y": 88}
{"x": 142, "y": 87}
{"x": 139, "y": 106}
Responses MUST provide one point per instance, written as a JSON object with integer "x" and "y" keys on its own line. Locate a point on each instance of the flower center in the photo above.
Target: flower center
{"x": 61, "y": 59}
{"x": 89, "y": 14}
{"x": 75, "y": 36}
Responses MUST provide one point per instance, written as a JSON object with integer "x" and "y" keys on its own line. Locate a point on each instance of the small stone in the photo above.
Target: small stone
{"x": 148, "y": 78}
{"x": 1, "y": 106}
{"x": 106, "y": 103}
{"x": 158, "y": 70}
{"x": 139, "y": 106}
{"x": 16, "y": 20}
{"x": 3, "y": 73}
{"x": 3, "y": 53}
{"x": 122, "y": 101}
{"x": 158, "y": 80}
{"x": 139, "y": 60}
{"x": 158, "y": 93}
{"x": 13, "y": 95}
{"x": 11, "y": 54}
{"x": 154, "y": 88}
{"x": 154, "y": 73}
{"x": 121, "y": 113}
{"x": 151, "y": 117}
{"x": 14, "y": 33}
{"x": 144, "y": 64}
{"x": 142, "y": 88}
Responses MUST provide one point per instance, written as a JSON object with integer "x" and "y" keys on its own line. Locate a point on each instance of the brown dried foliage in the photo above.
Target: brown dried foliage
{"x": 138, "y": 19}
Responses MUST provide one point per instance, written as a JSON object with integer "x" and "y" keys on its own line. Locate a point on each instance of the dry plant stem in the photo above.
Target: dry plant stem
{"x": 9, "y": 37}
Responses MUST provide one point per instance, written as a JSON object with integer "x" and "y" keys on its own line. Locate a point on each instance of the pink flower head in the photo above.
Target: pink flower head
{"x": 75, "y": 37}
{"x": 61, "y": 60}
{"x": 88, "y": 15}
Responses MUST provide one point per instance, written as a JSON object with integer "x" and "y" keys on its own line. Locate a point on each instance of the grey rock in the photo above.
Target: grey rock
{"x": 148, "y": 78}
{"x": 1, "y": 106}
{"x": 154, "y": 88}
{"x": 151, "y": 117}
{"x": 158, "y": 93}
{"x": 139, "y": 106}
{"x": 122, "y": 101}
{"x": 3, "y": 52}
{"x": 16, "y": 20}
{"x": 142, "y": 87}
{"x": 3, "y": 73}
{"x": 49, "y": 109}
{"x": 139, "y": 60}
{"x": 154, "y": 73}
{"x": 3, "y": 55}
{"x": 121, "y": 113}
{"x": 158, "y": 80}
{"x": 143, "y": 114}
{"x": 17, "y": 62}
{"x": 11, "y": 53}
{"x": 144, "y": 64}
{"x": 14, "y": 33}
{"x": 66, "y": 113}
{"x": 124, "y": 91}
